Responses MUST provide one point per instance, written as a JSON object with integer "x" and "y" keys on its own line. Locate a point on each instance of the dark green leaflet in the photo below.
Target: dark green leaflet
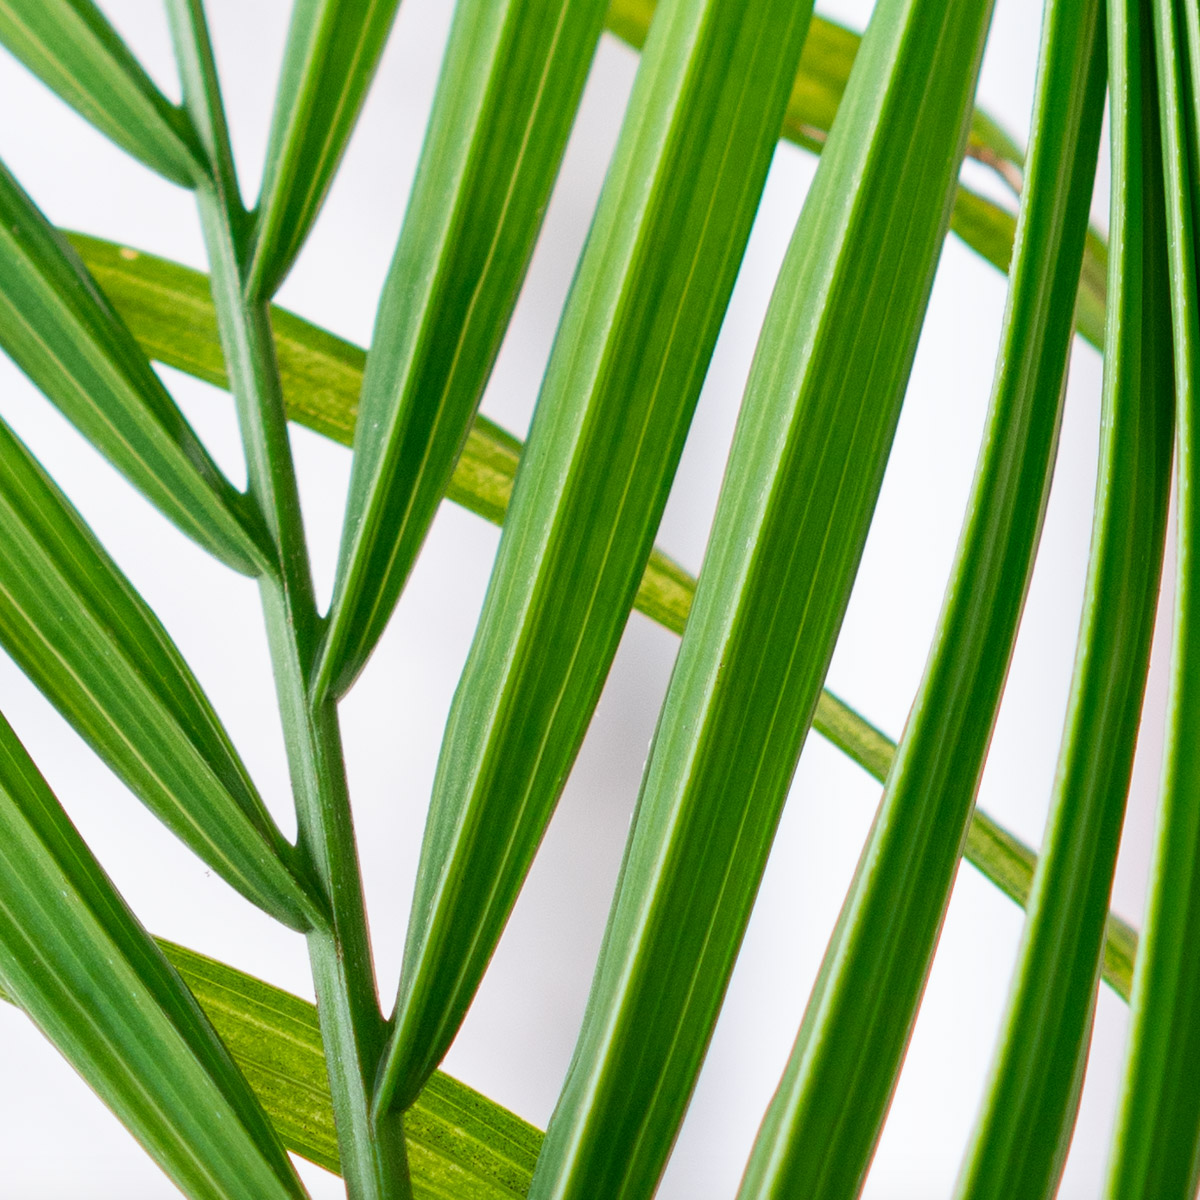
{"x": 170, "y": 309}
{"x": 859, "y": 1017}
{"x": 814, "y": 433}
{"x": 63, "y": 333}
{"x": 332, "y": 51}
{"x": 71, "y": 47}
{"x": 629, "y": 359}
{"x": 1021, "y": 1140}
{"x": 1157, "y": 1142}
{"x": 511, "y": 81}
{"x": 76, "y": 959}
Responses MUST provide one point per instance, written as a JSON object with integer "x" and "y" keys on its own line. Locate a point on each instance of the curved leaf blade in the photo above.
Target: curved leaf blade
{"x": 170, "y": 309}
{"x": 808, "y": 456}
{"x": 333, "y": 48}
{"x": 59, "y": 328}
{"x": 623, "y": 378}
{"x": 1156, "y": 1149}
{"x": 859, "y": 1017}
{"x": 76, "y": 627}
{"x": 511, "y": 82}
{"x": 76, "y": 960}
{"x": 1021, "y": 1138}
{"x": 76, "y": 53}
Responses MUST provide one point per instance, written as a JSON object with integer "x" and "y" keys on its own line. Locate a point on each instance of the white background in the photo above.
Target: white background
{"x": 57, "y": 1140}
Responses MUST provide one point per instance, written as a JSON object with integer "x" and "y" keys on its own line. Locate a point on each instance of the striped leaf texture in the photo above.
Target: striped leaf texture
{"x": 75, "y": 625}
{"x": 59, "y": 328}
{"x": 76, "y": 960}
{"x": 803, "y": 476}
{"x": 72, "y": 48}
{"x": 623, "y": 379}
{"x": 511, "y": 82}
{"x": 333, "y": 48}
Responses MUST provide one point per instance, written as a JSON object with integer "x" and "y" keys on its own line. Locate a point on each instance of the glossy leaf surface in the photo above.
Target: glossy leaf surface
{"x": 861, "y": 1011}
{"x": 76, "y": 959}
{"x": 170, "y": 309}
{"x": 511, "y": 82}
{"x": 61, "y": 330}
{"x": 73, "y": 623}
{"x": 1022, "y": 1136}
{"x": 812, "y": 439}
{"x": 624, "y": 375}
{"x": 333, "y": 48}
{"x": 1156, "y": 1150}
{"x": 70, "y": 46}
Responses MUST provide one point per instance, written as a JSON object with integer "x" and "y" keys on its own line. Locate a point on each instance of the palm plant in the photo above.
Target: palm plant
{"x": 219, "y": 1074}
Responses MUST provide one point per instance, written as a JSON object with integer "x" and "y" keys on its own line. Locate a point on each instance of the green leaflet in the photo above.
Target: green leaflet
{"x": 1157, "y": 1140}
{"x": 859, "y": 1017}
{"x": 510, "y": 85}
{"x": 170, "y": 309}
{"x": 63, "y": 333}
{"x": 71, "y": 48}
{"x": 808, "y": 456}
{"x": 333, "y": 48}
{"x": 1021, "y": 1139}
{"x": 461, "y": 1145}
{"x": 820, "y": 82}
{"x": 77, "y": 628}
{"x": 75, "y": 958}
{"x": 629, "y": 359}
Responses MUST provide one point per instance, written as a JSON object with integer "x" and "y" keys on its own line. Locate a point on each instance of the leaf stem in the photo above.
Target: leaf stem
{"x": 372, "y": 1152}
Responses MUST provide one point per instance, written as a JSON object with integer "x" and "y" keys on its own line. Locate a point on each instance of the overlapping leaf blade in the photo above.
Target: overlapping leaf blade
{"x": 74, "y": 624}
{"x": 170, "y": 309}
{"x": 623, "y": 379}
{"x": 333, "y": 48}
{"x": 859, "y": 1017}
{"x": 1021, "y": 1139}
{"x": 76, "y": 959}
{"x": 70, "y": 46}
{"x": 816, "y": 425}
{"x": 59, "y": 328}
{"x": 511, "y": 82}
{"x": 1157, "y": 1140}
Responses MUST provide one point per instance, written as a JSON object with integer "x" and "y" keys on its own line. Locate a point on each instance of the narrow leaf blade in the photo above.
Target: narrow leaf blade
{"x": 333, "y": 48}
{"x": 511, "y": 82}
{"x": 58, "y": 327}
{"x": 73, "y": 623}
{"x": 71, "y": 48}
{"x": 75, "y": 958}
{"x": 812, "y": 439}
{"x": 624, "y": 376}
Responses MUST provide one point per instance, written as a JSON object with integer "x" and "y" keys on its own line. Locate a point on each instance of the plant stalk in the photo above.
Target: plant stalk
{"x": 372, "y": 1152}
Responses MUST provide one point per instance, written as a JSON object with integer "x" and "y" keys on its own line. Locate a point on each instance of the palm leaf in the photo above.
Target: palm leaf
{"x": 71, "y": 47}
{"x": 74, "y": 957}
{"x": 629, "y": 360}
{"x": 814, "y": 432}
{"x": 89, "y": 642}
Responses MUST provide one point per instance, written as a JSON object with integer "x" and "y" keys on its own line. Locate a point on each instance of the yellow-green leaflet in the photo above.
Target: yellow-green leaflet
{"x": 59, "y": 328}
{"x": 511, "y": 81}
{"x": 812, "y": 439}
{"x": 76, "y": 960}
{"x": 169, "y": 307}
{"x": 77, "y": 628}
{"x": 624, "y": 375}
{"x": 333, "y": 48}
{"x": 71, "y": 47}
